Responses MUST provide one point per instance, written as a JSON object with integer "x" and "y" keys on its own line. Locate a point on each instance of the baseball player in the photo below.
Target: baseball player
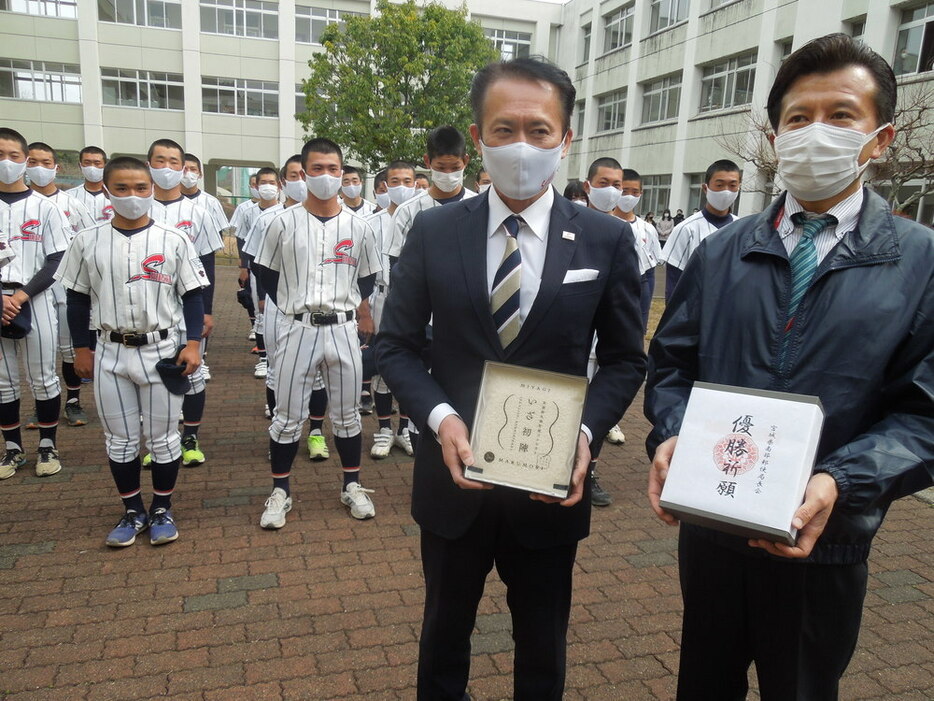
{"x": 137, "y": 281}
{"x": 446, "y": 155}
{"x": 91, "y": 194}
{"x": 381, "y": 191}
{"x": 171, "y": 208}
{"x": 238, "y": 227}
{"x": 483, "y": 180}
{"x": 399, "y": 174}
{"x": 422, "y": 183}
{"x": 352, "y": 193}
{"x": 721, "y": 188}
{"x": 319, "y": 263}
{"x": 42, "y": 167}
{"x": 36, "y": 235}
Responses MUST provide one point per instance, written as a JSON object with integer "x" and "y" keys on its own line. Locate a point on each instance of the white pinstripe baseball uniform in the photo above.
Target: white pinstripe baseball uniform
{"x": 405, "y": 214}
{"x": 96, "y": 202}
{"x": 381, "y": 223}
{"x": 685, "y": 238}
{"x": 251, "y": 242}
{"x": 212, "y": 206}
{"x": 366, "y": 208}
{"x": 648, "y": 249}
{"x": 319, "y": 265}
{"x": 242, "y": 218}
{"x": 36, "y": 228}
{"x": 135, "y": 284}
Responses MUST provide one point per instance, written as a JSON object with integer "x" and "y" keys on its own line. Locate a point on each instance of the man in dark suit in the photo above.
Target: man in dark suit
{"x": 577, "y": 274}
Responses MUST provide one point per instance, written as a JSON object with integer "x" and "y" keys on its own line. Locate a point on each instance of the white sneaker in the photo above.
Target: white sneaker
{"x": 48, "y": 463}
{"x": 205, "y": 372}
{"x": 382, "y": 444}
{"x": 261, "y": 369}
{"x": 252, "y": 335}
{"x": 402, "y": 440}
{"x": 357, "y": 498}
{"x": 615, "y": 436}
{"x": 277, "y": 506}
{"x": 266, "y": 412}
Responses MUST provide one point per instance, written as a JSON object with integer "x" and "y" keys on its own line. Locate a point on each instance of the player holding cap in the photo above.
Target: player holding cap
{"x": 135, "y": 280}
{"x": 319, "y": 264}
{"x": 91, "y": 194}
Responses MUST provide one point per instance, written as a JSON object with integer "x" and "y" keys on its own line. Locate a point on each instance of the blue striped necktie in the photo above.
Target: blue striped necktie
{"x": 803, "y": 258}
{"x": 504, "y": 297}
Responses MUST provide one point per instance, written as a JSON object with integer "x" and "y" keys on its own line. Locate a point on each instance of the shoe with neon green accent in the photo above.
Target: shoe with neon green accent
{"x": 317, "y": 447}
{"x": 191, "y": 452}
{"x": 147, "y": 461}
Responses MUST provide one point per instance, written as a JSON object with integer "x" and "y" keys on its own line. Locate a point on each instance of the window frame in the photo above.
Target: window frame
{"x": 149, "y": 16}
{"x": 41, "y": 7}
{"x": 145, "y": 83}
{"x": 616, "y": 102}
{"x": 925, "y": 54}
{"x": 621, "y": 17}
{"x": 241, "y": 93}
{"x": 48, "y": 75}
{"x": 240, "y": 12}
{"x": 306, "y": 14}
{"x": 500, "y": 40}
{"x": 730, "y": 71}
{"x": 662, "y": 87}
{"x": 682, "y": 9}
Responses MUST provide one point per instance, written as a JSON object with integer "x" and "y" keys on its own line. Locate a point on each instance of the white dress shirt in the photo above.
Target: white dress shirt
{"x": 846, "y": 212}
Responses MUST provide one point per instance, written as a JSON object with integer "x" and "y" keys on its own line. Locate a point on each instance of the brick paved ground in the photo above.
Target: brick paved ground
{"x": 330, "y": 608}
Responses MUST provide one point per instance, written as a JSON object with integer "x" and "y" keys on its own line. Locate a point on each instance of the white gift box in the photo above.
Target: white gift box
{"x": 743, "y": 460}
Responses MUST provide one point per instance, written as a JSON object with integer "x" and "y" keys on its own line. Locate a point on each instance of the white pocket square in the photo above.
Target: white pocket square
{"x": 582, "y": 275}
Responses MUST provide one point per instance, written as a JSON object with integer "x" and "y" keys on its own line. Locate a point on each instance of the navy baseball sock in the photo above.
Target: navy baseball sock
{"x": 349, "y": 451}
{"x": 193, "y": 410}
{"x": 413, "y": 439}
{"x": 317, "y": 405}
{"x": 271, "y": 400}
{"x": 164, "y": 476}
{"x": 126, "y": 477}
{"x": 260, "y": 345}
{"x": 403, "y": 421}
{"x": 282, "y": 455}
{"x": 47, "y": 411}
{"x": 9, "y": 423}
{"x": 382, "y": 402}
{"x": 72, "y": 381}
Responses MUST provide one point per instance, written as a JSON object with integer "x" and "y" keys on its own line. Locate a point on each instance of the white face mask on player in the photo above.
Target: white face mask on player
{"x": 382, "y": 199}
{"x": 190, "y": 179}
{"x": 295, "y": 190}
{"x": 166, "y": 178}
{"x": 92, "y": 174}
{"x": 401, "y": 193}
{"x": 324, "y": 186}
{"x": 267, "y": 192}
{"x": 604, "y": 198}
{"x": 11, "y": 171}
{"x": 352, "y": 192}
{"x": 131, "y": 207}
{"x": 447, "y": 182}
{"x": 40, "y": 176}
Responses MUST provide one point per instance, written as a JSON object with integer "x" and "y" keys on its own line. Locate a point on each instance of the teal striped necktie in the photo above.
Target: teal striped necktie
{"x": 803, "y": 258}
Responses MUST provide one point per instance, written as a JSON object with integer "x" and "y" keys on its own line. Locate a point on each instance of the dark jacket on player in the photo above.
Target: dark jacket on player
{"x": 863, "y": 341}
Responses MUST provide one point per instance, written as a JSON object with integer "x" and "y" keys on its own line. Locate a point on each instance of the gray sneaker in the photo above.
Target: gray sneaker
{"x": 598, "y": 495}
{"x": 75, "y": 415}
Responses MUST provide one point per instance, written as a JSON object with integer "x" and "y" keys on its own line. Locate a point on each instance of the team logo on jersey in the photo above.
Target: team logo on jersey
{"x": 29, "y": 231}
{"x": 150, "y": 271}
{"x": 187, "y": 227}
{"x": 340, "y": 254}
{"x": 107, "y": 213}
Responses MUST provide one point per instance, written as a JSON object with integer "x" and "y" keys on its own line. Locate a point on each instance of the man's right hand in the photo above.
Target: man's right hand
{"x": 455, "y": 449}
{"x": 244, "y": 277}
{"x": 84, "y": 362}
{"x": 657, "y": 475}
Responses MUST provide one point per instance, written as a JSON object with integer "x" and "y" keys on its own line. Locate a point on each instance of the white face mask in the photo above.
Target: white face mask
{"x": 10, "y": 171}
{"x": 382, "y": 199}
{"x": 582, "y": 203}
{"x": 604, "y": 198}
{"x": 483, "y": 188}
{"x": 92, "y": 174}
{"x": 352, "y": 192}
{"x": 323, "y": 186}
{"x": 40, "y": 176}
{"x": 166, "y": 178}
{"x": 519, "y": 170}
{"x": 190, "y": 179}
{"x": 820, "y": 160}
{"x": 721, "y": 199}
{"x": 627, "y": 203}
{"x": 131, "y": 207}
{"x": 401, "y": 193}
{"x": 268, "y": 192}
{"x": 447, "y": 182}
{"x": 254, "y": 193}
{"x": 295, "y": 190}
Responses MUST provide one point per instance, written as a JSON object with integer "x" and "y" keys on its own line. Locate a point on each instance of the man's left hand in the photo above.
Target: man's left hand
{"x": 208, "y": 325}
{"x": 578, "y": 476}
{"x": 810, "y": 518}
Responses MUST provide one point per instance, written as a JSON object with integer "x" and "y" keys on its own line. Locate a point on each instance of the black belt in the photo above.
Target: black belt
{"x": 324, "y": 318}
{"x": 135, "y": 340}
{"x": 12, "y": 285}
{"x": 382, "y": 288}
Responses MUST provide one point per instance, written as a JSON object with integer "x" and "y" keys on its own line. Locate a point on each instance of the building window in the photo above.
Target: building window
{"x": 147, "y": 89}
{"x": 729, "y": 83}
{"x": 249, "y": 98}
{"x": 784, "y": 50}
{"x": 914, "y": 50}
{"x": 42, "y": 81}
{"x": 661, "y": 99}
{"x": 581, "y": 117}
{"x": 165, "y": 14}
{"x": 311, "y": 21}
{"x": 611, "y": 111}
{"x": 656, "y": 189}
{"x": 714, "y": 4}
{"x": 510, "y": 44}
{"x": 240, "y": 18}
{"x": 617, "y": 28}
{"x": 587, "y": 32}
{"x": 42, "y": 8}
{"x": 858, "y": 28}
{"x": 666, "y": 13}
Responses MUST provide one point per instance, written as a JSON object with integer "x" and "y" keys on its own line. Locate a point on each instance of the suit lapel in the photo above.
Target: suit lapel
{"x": 557, "y": 259}
{"x": 472, "y": 236}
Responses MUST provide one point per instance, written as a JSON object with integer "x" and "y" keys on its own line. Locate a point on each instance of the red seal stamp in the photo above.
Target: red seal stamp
{"x": 735, "y": 454}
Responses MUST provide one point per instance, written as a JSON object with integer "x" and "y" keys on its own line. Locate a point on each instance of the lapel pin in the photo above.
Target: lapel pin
{"x": 569, "y": 235}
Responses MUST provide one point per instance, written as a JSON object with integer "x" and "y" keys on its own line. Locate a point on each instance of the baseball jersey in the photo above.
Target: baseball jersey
{"x": 74, "y": 210}
{"x": 212, "y": 206}
{"x": 685, "y": 238}
{"x": 186, "y": 216}
{"x": 381, "y": 223}
{"x": 648, "y": 249}
{"x": 405, "y": 214}
{"x": 97, "y": 203}
{"x": 241, "y": 219}
{"x": 318, "y": 263}
{"x": 34, "y": 228}
{"x": 366, "y": 208}
{"x": 254, "y": 238}
{"x": 135, "y": 282}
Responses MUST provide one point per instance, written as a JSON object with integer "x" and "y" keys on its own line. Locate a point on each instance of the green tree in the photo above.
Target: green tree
{"x": 383, "y": 82}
